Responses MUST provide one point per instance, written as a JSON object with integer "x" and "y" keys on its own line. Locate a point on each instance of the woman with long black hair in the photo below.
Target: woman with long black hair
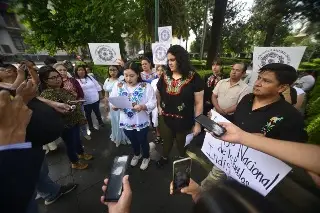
{"x": 180, "y": 100}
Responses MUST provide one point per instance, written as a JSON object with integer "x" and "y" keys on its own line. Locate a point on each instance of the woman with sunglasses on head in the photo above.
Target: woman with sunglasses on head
{"x": 136, "y": 121}
{"x": 92, "y": 95}
{"x": 117, "y": 134}
{"x": 148, "y": 74}
{"x": 52, "y": 85}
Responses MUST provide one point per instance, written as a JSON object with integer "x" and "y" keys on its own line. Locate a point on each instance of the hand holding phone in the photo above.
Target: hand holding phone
{"x": 114, "y": 188}
{"x": 124, "y": 203}
{"x": 181, "y": 174}
{"x": 211, "y": 125}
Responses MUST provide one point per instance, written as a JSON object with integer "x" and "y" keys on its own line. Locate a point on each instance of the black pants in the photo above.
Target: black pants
{"x": 88, "y": 110}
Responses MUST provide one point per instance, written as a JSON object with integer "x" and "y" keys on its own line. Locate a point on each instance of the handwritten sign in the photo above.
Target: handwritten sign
{"x": 255, "y": 169}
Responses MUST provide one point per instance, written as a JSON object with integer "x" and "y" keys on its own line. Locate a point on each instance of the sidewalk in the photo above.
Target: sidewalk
{"x": 150, "y": 188}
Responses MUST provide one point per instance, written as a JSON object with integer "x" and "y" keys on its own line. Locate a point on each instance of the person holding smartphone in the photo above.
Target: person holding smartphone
{"x": 52, "y": 85}
{"x": 136, "y": 121}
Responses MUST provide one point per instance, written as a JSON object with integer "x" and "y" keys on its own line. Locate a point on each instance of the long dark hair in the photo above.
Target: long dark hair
{"x": 182, "y": 59}
{"x": 44, "y": 73}
{"x": 135, "y": 67}
{"x": 76, "y": 75}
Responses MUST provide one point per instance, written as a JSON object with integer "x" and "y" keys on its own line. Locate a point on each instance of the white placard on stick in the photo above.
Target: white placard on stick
{"x": 255, "y": 169}
{"x": 165, "y": 34}
{"x": 284, "y": 55}
{"x": 105, "y": 53}
{"x": 159, "y": 52}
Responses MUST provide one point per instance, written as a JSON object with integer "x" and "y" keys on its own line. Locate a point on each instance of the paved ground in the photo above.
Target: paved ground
{"x": 150, "y": 188}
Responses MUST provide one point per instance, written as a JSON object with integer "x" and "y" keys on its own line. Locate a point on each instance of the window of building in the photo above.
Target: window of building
{"x": 6, "y": 48}
{"x": 18, "y": 42}
{"x": 10, "y": 19}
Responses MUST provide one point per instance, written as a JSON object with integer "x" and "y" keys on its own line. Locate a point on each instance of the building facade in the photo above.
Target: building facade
{"x": 11, "y": 41}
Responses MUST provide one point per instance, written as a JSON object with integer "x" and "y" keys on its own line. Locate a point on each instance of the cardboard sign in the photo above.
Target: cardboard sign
{"x": 165, "y": 34}
{"x": 105, "y": 53}
{"x": 255, "y": 169}
{"x": 159, "y": 52}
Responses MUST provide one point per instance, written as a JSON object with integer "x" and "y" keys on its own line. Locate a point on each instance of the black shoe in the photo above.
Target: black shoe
{"x": 101, "y": 124}
{"x": 63, "y": 190}
{"x": 92, "y": 129}
{"x": 162, "y": 162}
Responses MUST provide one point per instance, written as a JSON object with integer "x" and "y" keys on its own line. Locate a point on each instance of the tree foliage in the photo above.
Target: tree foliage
{"x": 69, "y": 24}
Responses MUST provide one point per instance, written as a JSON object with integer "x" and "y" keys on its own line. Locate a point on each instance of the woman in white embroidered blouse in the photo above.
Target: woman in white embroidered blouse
{"x": 91, "y": 89}
{"x": 135, "y": 122}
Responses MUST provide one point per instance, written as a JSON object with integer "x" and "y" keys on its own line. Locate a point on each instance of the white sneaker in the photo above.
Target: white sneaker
{"x": 145, "y": 163}
{"x": 135, "y": 160}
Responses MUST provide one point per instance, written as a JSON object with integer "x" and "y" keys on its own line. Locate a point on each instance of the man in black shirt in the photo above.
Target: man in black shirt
{"x": 265, "y": 111}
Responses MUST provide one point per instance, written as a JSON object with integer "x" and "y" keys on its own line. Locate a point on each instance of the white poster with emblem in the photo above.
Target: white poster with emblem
{"x": 105, "y": 53}
{"x": 159, "y": 52}
{"x": 165, "y": 34}
{"x": 284, "y": 55}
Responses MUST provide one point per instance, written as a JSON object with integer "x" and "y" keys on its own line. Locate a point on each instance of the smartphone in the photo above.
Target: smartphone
{"x": 181, "y": 174}
{"x": 118, "y": 171}
{"x": 210, "y": 125}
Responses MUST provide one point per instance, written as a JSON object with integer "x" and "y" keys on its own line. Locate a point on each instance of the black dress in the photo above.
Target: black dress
{"x": 177, "y": 100}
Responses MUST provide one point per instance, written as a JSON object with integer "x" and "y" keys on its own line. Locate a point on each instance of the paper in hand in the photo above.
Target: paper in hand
{"x": 121, "y": 102}
{"x": 189, "y": 138}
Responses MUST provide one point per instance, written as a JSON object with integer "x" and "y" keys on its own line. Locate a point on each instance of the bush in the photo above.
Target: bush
{"x": 313, "y": 113}
{"x": 100, "y": 72}
{"x": 316, "y": 61}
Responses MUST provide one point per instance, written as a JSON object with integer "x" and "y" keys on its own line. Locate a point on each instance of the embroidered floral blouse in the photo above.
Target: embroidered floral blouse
{"x": 148, "y": 77}
{"x": 177, "y": 100}
{"x": 61, "y": 95}
{"x": 141, "y": 94}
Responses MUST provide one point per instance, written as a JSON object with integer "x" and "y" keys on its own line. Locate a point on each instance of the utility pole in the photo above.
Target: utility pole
{"x": 205, "y": 16}
{"x": 156, "y": 19}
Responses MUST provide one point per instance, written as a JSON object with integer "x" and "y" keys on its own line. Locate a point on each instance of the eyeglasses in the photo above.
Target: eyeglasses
{"x": 113, "y": 70}
{"x": 55, "y": 77}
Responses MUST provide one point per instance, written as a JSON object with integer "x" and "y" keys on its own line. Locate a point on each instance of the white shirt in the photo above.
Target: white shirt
{"x": 91, "y": 89}
{"x": 305, "y": 82}
{"x": 299, "y": 91}
{"x": 154, "y": 84}
{"x": 141, "y": 94}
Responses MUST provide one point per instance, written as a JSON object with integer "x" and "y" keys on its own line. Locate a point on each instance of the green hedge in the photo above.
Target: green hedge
{"x": 313, "y": 114}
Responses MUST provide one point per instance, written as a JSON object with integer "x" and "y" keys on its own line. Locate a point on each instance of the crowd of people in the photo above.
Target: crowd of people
{"x": 38, "y": 106}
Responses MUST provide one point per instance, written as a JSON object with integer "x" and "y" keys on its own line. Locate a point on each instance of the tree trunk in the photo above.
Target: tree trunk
{"x": 216, "y": 29}
{"x": 271, "y": 28}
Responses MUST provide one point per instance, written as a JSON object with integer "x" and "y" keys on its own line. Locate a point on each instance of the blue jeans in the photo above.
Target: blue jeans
{"x": 95, "y": 107}
{"x": 71, "y": 138}
{"x": 46, "y": 188}
{"x": 139, "y": 139}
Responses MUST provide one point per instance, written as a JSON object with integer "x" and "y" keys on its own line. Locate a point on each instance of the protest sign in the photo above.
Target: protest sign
{"x": 284, "y": 55}
{"x": 165, "y": 34}
{"x": 255, "y": 169}
{"x": 159, "y": 52}
{"x": 105, "y": 53}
